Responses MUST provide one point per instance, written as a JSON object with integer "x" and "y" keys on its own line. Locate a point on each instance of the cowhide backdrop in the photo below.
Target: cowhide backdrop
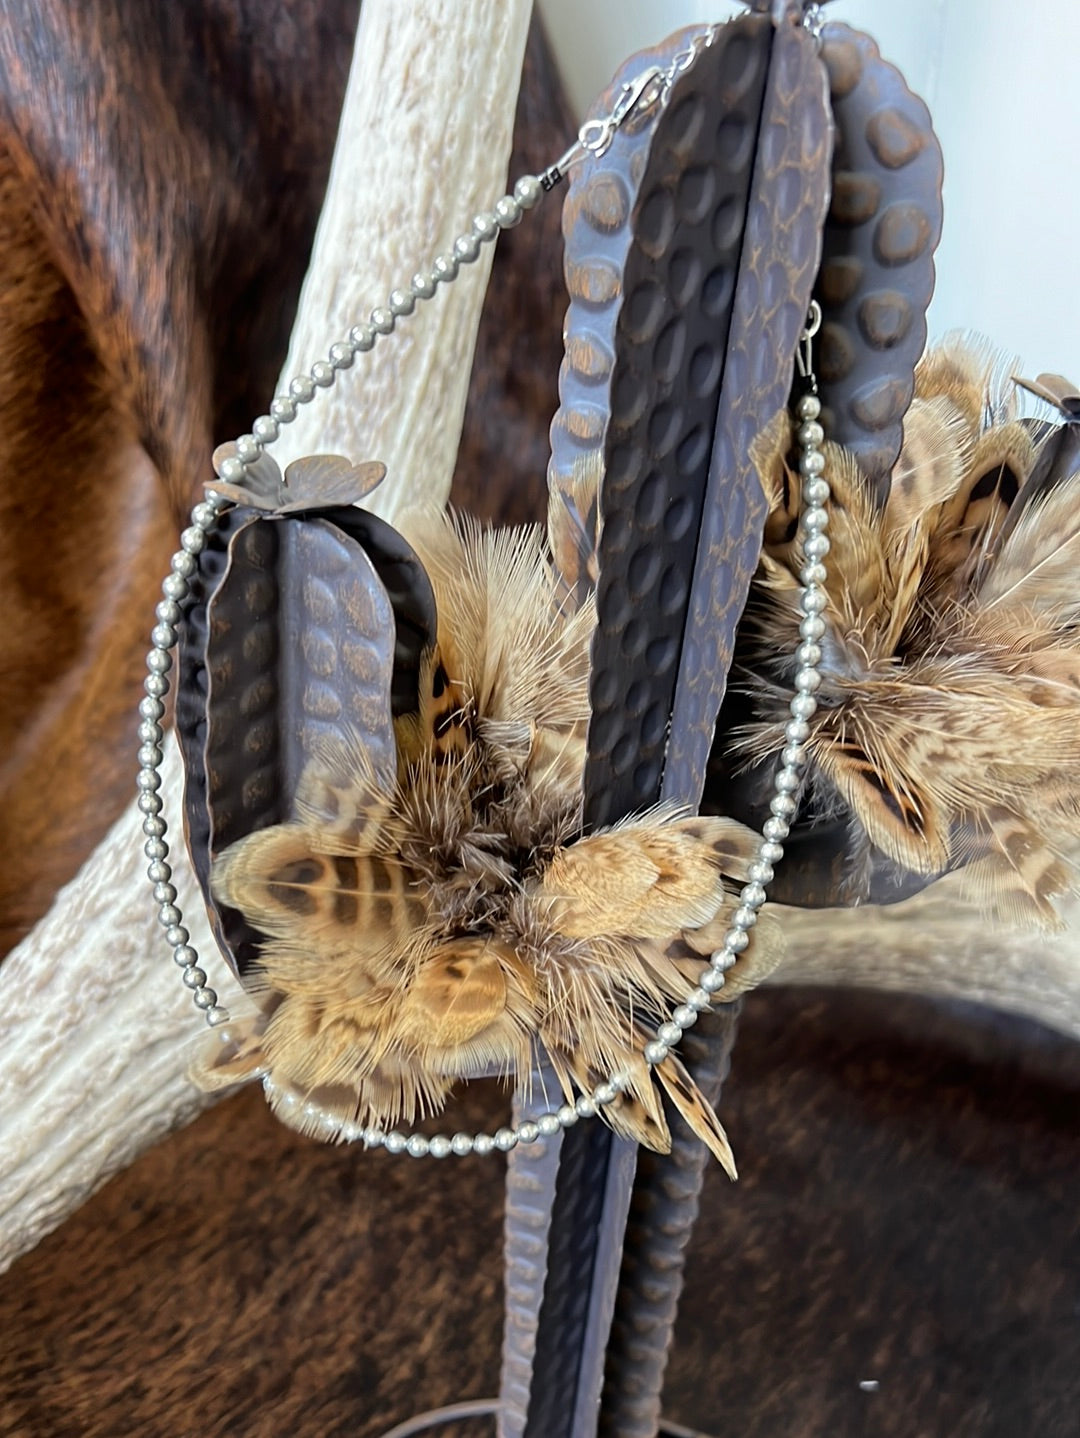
{"x": 907, "y": 1212}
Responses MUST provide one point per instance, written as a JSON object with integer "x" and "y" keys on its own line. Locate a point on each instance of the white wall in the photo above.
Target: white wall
{"x": 1002, "y": 80}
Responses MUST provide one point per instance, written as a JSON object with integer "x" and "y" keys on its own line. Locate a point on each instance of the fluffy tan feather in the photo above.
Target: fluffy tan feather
{"x": 949, "y": 715}
{"x": 436, "y": 922}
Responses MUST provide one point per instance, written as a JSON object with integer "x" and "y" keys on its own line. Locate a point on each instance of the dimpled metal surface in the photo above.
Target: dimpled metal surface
{"x": 776, "y": 275}
{"x": 877, "y": 272}
{"x": 653, "y": 235}
{"x": 663, "y": 1210}
{"x": 299, "y": 639}
{"x": 192, "y": 684}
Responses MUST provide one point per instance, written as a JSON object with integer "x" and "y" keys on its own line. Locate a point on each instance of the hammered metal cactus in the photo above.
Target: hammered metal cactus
{"x": 308, "y": 618}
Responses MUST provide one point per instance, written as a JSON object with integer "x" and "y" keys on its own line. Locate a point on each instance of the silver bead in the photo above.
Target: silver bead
{"x": 505, "y": 1140}
{"x": 809, "y": 407}
{"x": 803, "y": 706}
{"x": 815, "y": 547}
{"x": 149, "y": 804}
{"x": 342, "y": 356}
{"x": 813, "y": 601}
{"x": 466, "y": 249}
{"x": 168, "y": 915}
{"x": 567, "y": 1116}
{"x": 373, "y": 1138}
{"x": 152, "y": 710}
{"x": 302, "y": 389}
{"x": 815, "y": 520}
{"x": 812, "y": 627}
{"x": 776, "y": 829}
{"x": 149, "y": 755}
{"x": 361, "y": 337}
{"x": 284, "y": 410}
{"x": 204, "y": 998}
{"x": 394, "y": 1142}
{"x": 812, "y": 462}
{"x": 323, "y": 374}
{"x": 194, "y": 977}
{"x": 697, "y": 1000}
{"x": 812, "y": 574}
{"x": 584, "y": 1106}
{"x": 604, "y": 1093}
{"x": 422, "y": 285}
{"x": 159, "y": 661}
{"x": 786, "y": 781}
{"x": 655, "y": 1052}
{"x": 158, "y": 872}
{"x": 744, "y": 918}
{"x": 215, "y": 1014}
{"x": 528, "y": 1132}
{"x": 417, "y": 1146}
{"x": 382, "y": 321}
{"x": 528, "y": 191}
{"x": 232, "y": 470}
{"x": 760, "y": 872}
{"x": 183, "y": 562}
{"x": 548, "y": 1124}
{"x": 163, "y": 636}
{"x": 807, "y": 681}
{"x": 792, "y": 780}
{"x": 808, "y": 653}
{"x": 444, "y": 268}
{"x": 483, "y": 1143}
{"x": 783, "y": 806}
{"x": 462, "y": 1144}
{"x": 402, "y": 302}
{"x": 815, "y": 491}
{"x": 684, "y": 1017}
{"x": 248, "y": 448}
{"x": 265, "y": 429}
{"x": 164, "y": 893}
{"x": 439, "y": 1146}
{"x": 153, "y": 827}
{"x": 175, "y": 586}
{"x": 485, "y": 226}
{"x": 752, "y": 896}
{"x": 712, "y": 981}
{"x": 792, "y": 756}
{"x": 184, "y": 956}
{"x": 178, "y": 936}
{"x": 156, "y": 684}
{"x": 156, "y": 849}
{"x": 507, "y": 212}
{"x": 810, "y": 433}
{"x": 669, "y": 1034}
{"x": 169, "y": 612}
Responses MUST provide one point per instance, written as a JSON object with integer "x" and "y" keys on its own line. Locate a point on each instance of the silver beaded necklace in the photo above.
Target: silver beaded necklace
{"x": 646, "y": 93}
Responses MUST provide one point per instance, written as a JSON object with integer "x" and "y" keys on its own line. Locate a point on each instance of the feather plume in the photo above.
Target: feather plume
{"x": 948, "y": 725}
{"x": 436, "y": 922}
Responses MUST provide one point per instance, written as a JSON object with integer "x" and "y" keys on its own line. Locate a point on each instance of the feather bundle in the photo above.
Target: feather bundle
{"x": 948, "y": 725}
{"x": 435, "y": 922}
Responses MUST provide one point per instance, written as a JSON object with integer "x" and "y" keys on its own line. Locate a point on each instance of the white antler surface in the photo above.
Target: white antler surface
{"x": 96, "y": 1028}
{"x": 940, "y": 943}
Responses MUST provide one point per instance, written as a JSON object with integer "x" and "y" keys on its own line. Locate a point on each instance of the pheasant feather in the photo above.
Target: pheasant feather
{"x": 948, "y": 725}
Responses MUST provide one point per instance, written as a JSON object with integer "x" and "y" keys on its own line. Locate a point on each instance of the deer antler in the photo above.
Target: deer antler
{"x": 94, "y": 1025}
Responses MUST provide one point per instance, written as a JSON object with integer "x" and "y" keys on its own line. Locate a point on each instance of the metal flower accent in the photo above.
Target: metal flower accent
{"x": 318, "y": 481}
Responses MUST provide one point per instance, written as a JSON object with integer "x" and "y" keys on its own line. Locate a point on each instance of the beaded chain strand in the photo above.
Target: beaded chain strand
{"x": 647, "y": 91}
